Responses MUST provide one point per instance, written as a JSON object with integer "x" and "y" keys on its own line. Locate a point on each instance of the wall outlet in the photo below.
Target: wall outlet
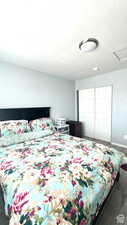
{"x": 125, "y": 136}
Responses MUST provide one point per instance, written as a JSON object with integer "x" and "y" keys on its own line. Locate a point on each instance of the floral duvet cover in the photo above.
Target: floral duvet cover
{"x": 55, "y": 179}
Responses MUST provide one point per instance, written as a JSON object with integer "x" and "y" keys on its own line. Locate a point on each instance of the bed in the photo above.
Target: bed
{"x": 49, "y": 178}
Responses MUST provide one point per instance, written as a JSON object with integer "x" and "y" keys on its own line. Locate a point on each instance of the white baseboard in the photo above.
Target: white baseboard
{"x": 119, "y": 145}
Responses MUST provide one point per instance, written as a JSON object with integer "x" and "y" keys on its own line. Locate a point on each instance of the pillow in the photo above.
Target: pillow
{"x": 21, "y": 138}
{"x": 11, "y": 127}
{"x": 42, "y": 124}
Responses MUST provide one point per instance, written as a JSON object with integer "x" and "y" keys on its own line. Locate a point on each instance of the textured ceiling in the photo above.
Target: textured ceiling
{"x": 44, "y": 35}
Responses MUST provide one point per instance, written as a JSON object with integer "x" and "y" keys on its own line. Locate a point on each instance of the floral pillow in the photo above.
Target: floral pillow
{"x": 42, "y": 124}
{"x": 11, "y": 127}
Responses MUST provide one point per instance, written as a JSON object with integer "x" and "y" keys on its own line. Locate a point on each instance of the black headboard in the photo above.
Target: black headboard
{"x": 24, "y": 113}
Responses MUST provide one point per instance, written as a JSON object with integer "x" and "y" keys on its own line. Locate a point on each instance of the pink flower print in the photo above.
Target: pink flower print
{"x": 33, "y": 211}
{"x": 114, "y": 175}
{"x": 81, "y": 204}
{"x": 62, "y": 201}
{"x": 6, "y": 165}
{"x": 19, "y": 202}
{"x": 72, "y": 211}
{"x": 83, "y": 222}
{"x": 46, "y": 171}
{"x": 95, "y": 160}
{"x": 62, "y": 141}
{"x": 73, "y": 182}
{"x": 58, "y": 221}
{"x": 49, "y": 199}
{"x": 19, "y": 131}
{"x": 38, "y": 164}
{"x": 26, "y": 152}
{"x": 43, "y": 126}
{"x": 76, "y": 201}
{"x": 77, "y": 160}
{"x": 63, "y": 168}
{"x": 20, "y": 197}
{"x": 80, "y": 195}
{"x": 54, "y": 146}
{"x": 85, "y": 149}
{"x": 46, "y": 161}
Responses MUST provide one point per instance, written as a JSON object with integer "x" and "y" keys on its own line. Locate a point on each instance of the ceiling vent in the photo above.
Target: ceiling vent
{"x": 121, "y": 55}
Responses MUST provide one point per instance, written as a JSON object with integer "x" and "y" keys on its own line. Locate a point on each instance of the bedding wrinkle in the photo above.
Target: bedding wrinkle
{"x": 49, "y": 178}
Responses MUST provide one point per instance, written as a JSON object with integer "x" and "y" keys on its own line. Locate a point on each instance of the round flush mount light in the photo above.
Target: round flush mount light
{"x": 88, "y": 46}
{"x": 96, "y": 68}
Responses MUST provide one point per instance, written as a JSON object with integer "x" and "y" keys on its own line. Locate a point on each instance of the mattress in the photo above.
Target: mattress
{"x": 55, "y": 179}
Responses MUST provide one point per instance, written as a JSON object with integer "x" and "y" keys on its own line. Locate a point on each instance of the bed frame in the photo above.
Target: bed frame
{"x": 34, "y": 113}
{"x": 24, "y": 113}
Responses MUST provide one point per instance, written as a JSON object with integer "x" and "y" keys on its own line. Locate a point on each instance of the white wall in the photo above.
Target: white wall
{"x": 20, "y": 87}
{"x": 119, "y": 105}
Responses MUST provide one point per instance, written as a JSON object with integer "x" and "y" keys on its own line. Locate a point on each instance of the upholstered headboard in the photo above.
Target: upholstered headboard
{"x": 24, "y": 113}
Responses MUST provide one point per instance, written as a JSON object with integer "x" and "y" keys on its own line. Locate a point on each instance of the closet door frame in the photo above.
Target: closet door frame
{"x": 77, "y": 102}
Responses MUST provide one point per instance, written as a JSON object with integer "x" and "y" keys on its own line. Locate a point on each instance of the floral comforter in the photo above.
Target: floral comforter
{"x": 56, "y": 179}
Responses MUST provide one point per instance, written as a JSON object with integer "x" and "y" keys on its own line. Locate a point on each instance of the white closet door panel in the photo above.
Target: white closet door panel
{"x": 103, "y": 129}
{"x": 95, "y": 112}
{"x": 103, "y": 113}
{"x": 86, "y": 111}
{"x": 87, "y": 125}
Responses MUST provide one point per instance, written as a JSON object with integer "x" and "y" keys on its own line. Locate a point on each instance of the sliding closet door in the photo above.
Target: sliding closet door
{"x": 95, "y": 112}
{"x": 103, "y": 98}
{"x": 86, "y": 111}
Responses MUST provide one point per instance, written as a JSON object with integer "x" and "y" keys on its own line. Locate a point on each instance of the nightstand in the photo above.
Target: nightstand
{"x": 75, "y": 128}
{"x": 63, "y": 129}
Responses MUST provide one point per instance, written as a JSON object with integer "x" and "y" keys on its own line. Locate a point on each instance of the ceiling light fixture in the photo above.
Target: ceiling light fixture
{"x": 88, "y": 46}
{"x": 96, "y": 68}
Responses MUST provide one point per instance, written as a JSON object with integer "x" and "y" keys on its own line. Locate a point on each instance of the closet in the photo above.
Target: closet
{"x": 95, "y": 108}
